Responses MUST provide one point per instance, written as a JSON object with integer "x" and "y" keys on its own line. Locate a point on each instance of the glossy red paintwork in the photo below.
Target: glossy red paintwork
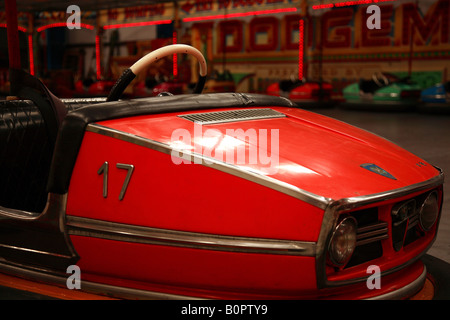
{"x": 212, "y": 274}
{"x": 317, "y": 154}
{"x": 165, "y": 195}
{"x": 217, "y": 275}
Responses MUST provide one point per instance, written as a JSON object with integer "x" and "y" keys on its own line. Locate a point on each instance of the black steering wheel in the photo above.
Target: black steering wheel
{"x": 143, "y": 63}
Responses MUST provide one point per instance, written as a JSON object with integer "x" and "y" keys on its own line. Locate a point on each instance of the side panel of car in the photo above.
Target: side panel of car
{"x": 149, "y": 227}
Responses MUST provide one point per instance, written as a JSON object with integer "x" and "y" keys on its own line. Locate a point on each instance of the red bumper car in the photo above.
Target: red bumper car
{"x": 90, "y": 88}
{"x": 221, "y": 195}
{"x": 306, "y": 94}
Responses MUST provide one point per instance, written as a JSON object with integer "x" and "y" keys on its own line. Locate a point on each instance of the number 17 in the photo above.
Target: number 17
{"x": 104, "y": 169}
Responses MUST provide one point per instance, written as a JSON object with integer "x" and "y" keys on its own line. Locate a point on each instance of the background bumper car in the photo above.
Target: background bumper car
{"x": 384, "y": 92}
{"x": 220, "y": 82}
{"x": 306, "y": 94}
{"x": 436, "y": 99}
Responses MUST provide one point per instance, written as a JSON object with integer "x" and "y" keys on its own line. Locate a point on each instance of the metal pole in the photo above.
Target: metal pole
{"x": 13, "y": 34}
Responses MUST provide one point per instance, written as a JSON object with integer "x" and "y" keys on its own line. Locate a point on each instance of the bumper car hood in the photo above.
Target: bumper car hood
{"x": 314, "y": 153}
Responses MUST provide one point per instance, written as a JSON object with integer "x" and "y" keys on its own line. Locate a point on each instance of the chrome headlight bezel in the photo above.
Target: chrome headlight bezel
{"x": 346, "y": 231}
{"x": 429, "y": 211}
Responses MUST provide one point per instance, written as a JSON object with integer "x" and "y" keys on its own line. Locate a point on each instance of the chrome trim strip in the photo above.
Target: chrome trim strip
{"x": 353, "y": 202}
{"x": 406, "y": 291}
{"x": 84, "y": 100}
{"x": 130, "y": 293}
{"x": 146, "y": 235}
{"x": 47, "y": 253}
{"x": 55, "y": 206}
{"x": 286, "y": 188}
{"x": 18, "y": 214}
{"x": 87, "y": 286}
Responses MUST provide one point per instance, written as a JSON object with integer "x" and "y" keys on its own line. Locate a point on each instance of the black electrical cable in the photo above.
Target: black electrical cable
{"x": 120, "y": 85}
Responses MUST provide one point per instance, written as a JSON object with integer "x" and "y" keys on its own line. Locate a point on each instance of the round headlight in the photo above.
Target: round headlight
{"x": 343, "y": 242}
{"x": 429, "y": 211}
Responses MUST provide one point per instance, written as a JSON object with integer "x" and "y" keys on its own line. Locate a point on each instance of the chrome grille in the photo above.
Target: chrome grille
{"x": 232, "y": 116}
{"x": 369, "y": 234}
{"x": 372, "y": 233}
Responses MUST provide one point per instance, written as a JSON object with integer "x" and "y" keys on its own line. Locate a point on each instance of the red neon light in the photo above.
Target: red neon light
{"x": 346, "y": 4}
{"x": 136, "y": 24}
{"x": 300, "y": 49}
{"x": 241, "y": 14}
{"x": 31, "y": 54}
{"x": 3, "y": 25}
{"x": 63, "y": 24}
{"x": 97, "y": 57}
{"x": 175, "y": 58}
{"x": 323, "y": 6}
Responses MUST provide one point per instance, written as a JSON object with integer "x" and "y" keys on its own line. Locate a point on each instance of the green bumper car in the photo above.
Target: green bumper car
{"x": 384, "y": 92}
